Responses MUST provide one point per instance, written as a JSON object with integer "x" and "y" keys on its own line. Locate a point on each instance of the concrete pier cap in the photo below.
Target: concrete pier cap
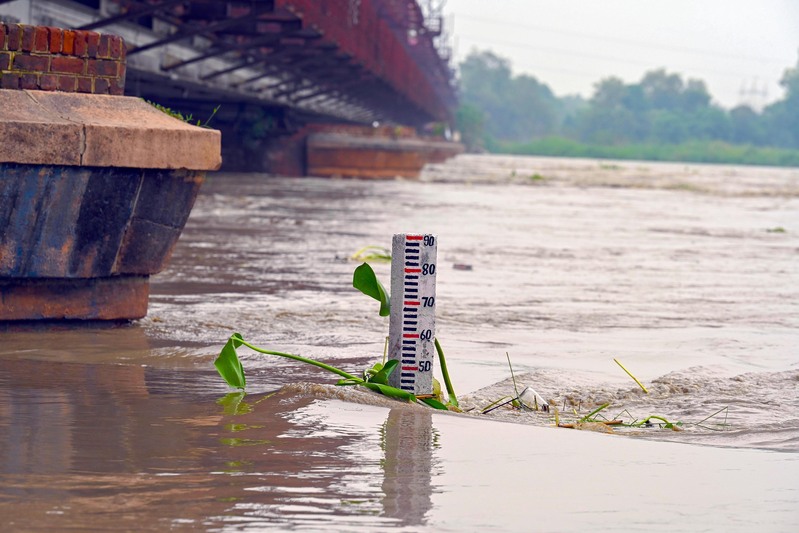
{"x": 95, "y": 188}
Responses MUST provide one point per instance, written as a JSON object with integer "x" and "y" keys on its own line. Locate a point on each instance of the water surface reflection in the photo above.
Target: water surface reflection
{"x": 109, "y": 445}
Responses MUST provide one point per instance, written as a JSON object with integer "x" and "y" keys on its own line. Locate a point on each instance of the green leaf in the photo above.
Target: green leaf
{"x": 349, "y": 381}
{"x": 228, "y": 364}
{"x": 391, "y": 392}
{"x": 364, "y": 280}
{"x": 369, "y": 372}
{"x": 452, "y": 400}
{"x": 382, "y": 376}
{"x": 435, "y": 404}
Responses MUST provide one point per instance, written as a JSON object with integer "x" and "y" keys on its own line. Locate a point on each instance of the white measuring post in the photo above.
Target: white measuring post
{"x": 412, "y": 324}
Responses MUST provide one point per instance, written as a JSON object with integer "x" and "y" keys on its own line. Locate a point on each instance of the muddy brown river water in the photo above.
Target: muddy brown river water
{"x": 688, "y": 274}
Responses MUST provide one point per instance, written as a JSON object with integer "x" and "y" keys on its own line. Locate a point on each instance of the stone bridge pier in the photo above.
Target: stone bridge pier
{"x": 95, "y": 187}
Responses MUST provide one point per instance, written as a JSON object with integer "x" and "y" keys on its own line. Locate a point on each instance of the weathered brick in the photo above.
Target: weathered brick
{"x": 31, "y": 63}
{"x": 72, "y": 65}
{"x": 85, "y": 85}
{"x": 56, "y": 39}
{"x": 68, "y": 42}
{"x": 14, "y": 37}
{"x": 81, "y": 46}
{"x": 116, "y": 47}
{"x": 117, "y": 87}
{"x": 28, "y": 38}
{"x": 102, "y": 67}
{"x": 67, "y": 83}
{"x": 104, "y": 46}
{"x": 40, "y": 39}
{"x": 48, "y": 82}
{"x": 52, "y": 59}
{"x": 10, "y": 80}
{"x": 29, "y": 81}
{"x": 92, "y": 43}
{"x": 101, "y": 86}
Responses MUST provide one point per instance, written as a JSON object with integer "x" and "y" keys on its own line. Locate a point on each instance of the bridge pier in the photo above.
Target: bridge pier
{"x": 94, "y": 188}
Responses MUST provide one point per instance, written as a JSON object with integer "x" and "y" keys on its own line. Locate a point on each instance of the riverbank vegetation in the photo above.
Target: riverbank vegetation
{"x": 663, "y": 117}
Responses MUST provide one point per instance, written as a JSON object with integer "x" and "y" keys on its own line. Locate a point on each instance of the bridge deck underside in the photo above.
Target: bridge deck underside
{"x": 357, "y": 60}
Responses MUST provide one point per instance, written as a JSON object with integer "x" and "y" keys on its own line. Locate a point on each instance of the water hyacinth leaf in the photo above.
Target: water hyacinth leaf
{"x": 228, "y": 365}
{"x": 349, "y": 381}
{"x": 382, "y": 376}
{"x": 369, "y": 372}
{"x": 435, "y": 404}
{"x": 365, "y": 280}
{"x": 391, "y": 392}
{"x": 436, "y": 388}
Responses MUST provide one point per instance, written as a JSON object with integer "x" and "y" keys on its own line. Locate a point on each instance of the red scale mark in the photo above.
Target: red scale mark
{"x": 412, "y": 302}
{"x": 410, "y": 368}
{"x": 412, "y": 270}
{"x": 414, "y": 237}
{"x": 410, "y": 335}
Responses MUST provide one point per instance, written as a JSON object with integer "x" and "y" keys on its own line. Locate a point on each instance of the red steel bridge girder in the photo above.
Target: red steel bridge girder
{"x": 385, "y": 41}
{"x": 385, "y": 37}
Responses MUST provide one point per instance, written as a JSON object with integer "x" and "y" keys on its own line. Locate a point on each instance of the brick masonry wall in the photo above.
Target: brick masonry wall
{"x": 55, "y": 59}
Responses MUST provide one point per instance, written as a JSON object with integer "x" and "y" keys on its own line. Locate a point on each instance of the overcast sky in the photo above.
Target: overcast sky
{"x": 735, "y": 46}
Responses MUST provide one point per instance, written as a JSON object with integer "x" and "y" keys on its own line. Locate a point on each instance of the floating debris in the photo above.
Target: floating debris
{"x": 530, "y": 399}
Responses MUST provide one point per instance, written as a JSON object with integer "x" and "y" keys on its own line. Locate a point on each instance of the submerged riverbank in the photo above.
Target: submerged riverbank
{"x": 691, "y": 152}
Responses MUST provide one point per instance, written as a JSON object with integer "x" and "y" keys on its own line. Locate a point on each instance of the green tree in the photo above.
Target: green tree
{"x": 471, "y": 125}
{"x": 515, "y": 108}
{"x": 662, "y": 90}
{"x": 782, "y": 117}
{"x": 662, "y": 110}
{"x": 608, "y": 118}
{"x": 746, "y": 126}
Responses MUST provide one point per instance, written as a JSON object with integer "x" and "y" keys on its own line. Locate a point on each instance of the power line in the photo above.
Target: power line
{"x": 639, "y": 44}
{"x": 583, "y": 55}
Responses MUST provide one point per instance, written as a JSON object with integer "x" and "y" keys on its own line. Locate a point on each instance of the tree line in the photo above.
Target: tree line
{"x": 662, "y": 116}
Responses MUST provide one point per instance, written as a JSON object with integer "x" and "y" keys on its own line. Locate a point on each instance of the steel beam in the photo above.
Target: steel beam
{"x": 137, "y": 10}
{"x": 210, "y": 28}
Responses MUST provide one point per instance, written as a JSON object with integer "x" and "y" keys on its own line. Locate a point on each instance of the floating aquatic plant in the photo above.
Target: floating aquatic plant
{"x": 376, "y": 254}
{"x": 374, "y": 378}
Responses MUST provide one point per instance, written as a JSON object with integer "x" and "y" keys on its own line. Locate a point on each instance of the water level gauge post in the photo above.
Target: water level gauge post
{"x": 412, "y": 323}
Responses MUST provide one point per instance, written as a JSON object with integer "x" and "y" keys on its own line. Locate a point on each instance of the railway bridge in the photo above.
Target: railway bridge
{"x": 273, "y": 68}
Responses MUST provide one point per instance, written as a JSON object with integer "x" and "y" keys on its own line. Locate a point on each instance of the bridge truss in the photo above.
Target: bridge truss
{"x": 353, "y": 60}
